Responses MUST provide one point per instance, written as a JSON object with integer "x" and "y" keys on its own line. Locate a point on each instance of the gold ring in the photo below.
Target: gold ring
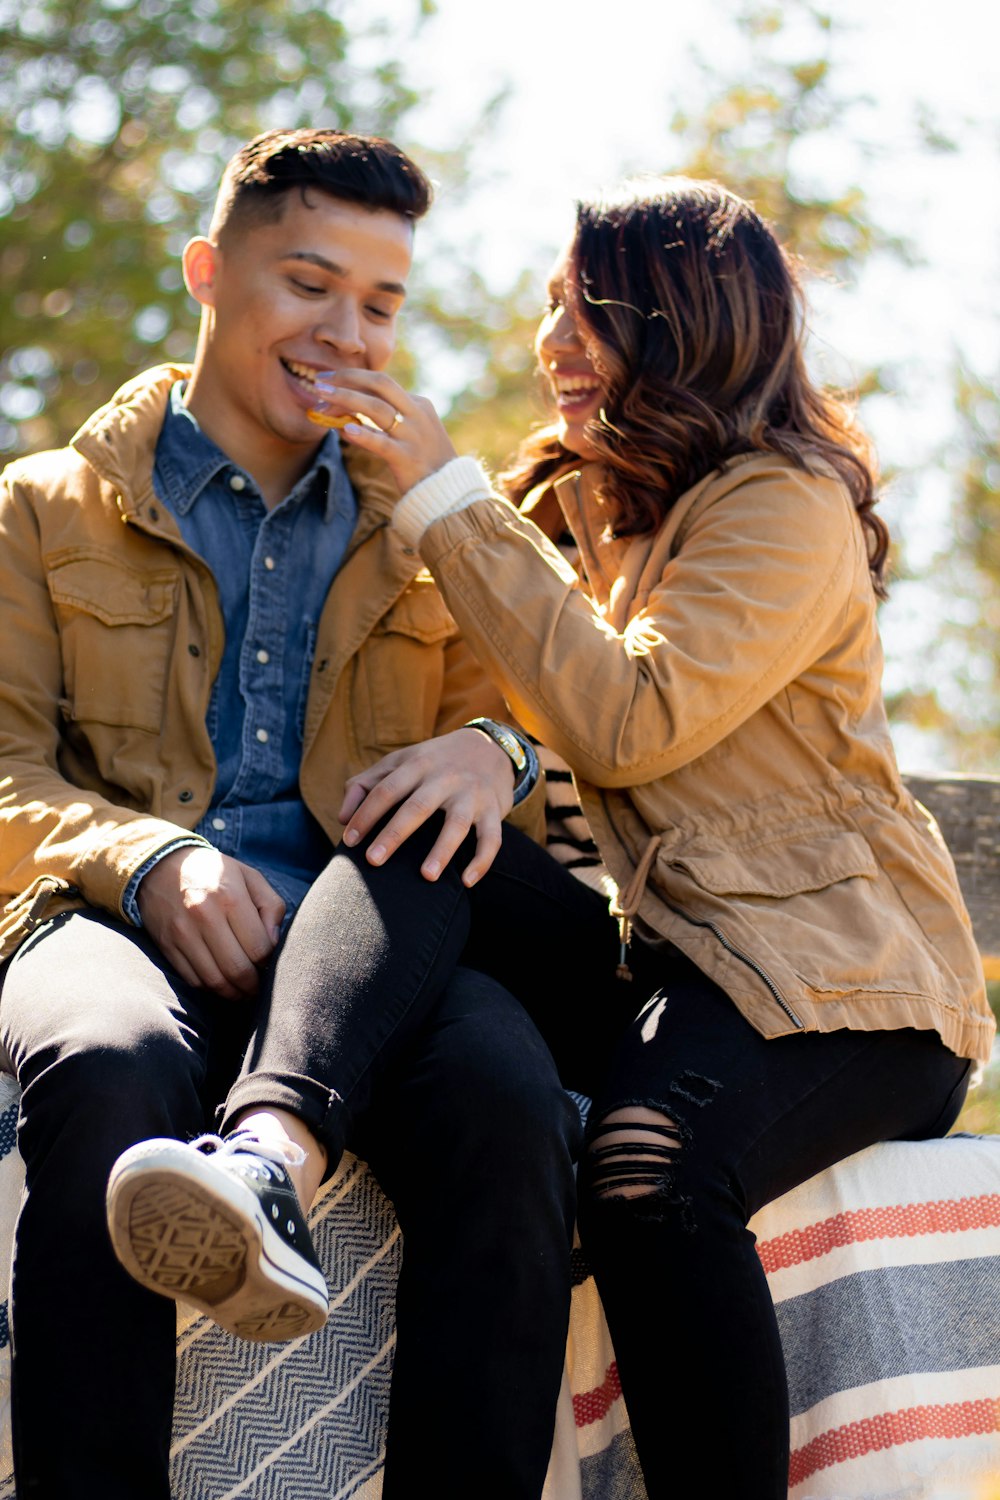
{"x": 397, "y": 417}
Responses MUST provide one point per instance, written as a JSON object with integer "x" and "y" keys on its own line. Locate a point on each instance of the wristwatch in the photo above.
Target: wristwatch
{"x": 506, "y": 739}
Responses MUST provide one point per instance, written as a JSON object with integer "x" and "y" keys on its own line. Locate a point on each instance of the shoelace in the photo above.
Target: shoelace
{"x": 279, "y": 1153}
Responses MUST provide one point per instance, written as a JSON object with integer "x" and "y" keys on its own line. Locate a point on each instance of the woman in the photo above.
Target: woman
{"x": 788, "y": 973}
{"x": 711, "y": 673}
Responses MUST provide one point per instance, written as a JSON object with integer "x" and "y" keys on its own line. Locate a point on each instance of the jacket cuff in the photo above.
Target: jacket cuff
{"x": 451, "y": 488}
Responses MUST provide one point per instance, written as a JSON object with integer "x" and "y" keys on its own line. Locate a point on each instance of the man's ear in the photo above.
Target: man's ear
{"x": 200, "y": 263}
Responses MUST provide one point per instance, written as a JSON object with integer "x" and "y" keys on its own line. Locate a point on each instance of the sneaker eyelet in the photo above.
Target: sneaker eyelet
{"x": 274, "y": 1210}
{"x": 290, "y": 1227}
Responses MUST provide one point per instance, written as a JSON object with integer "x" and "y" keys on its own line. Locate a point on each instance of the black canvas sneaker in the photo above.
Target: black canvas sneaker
{"x": 217, "y": 1223}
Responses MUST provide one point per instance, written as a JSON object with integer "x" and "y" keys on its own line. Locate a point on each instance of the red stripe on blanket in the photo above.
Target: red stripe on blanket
{"x": 591, "y": 1406}
{"x": 957, "y": 1420}
{"x": 897, "y": 1221}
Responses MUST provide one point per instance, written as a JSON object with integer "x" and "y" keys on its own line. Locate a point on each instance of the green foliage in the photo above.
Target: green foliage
{"x": 118, "y": 117}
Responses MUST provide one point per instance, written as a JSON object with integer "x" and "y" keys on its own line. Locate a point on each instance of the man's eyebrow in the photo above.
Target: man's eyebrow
{"x": 395, "y": 288}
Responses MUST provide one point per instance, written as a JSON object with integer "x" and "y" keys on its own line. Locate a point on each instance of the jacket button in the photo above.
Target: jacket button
{"x": 185, "y": 795}
{"x": 321, "y": 666}
{"x": 154, "y": 514}
{"x": 194, "y": 650}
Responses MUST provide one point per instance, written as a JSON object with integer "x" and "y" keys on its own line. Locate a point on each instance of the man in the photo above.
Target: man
{"x": 210, "y": 628}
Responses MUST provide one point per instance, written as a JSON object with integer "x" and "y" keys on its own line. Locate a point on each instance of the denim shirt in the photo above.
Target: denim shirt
{"x": 273, "y": 570}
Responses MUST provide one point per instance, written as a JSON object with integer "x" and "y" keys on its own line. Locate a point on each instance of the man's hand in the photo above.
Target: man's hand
{"x": 214, "y": 918}
{"x": 463, "y": 774}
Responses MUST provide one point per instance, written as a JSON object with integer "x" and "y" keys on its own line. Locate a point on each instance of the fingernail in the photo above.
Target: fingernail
{"x": 432, "y": 868}
{"x": 377, "y": 854}
{"x": 470, "y": 877}
{"x": 351, "y": 837}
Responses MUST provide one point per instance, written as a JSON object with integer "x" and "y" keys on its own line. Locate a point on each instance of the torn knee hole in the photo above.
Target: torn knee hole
{"x": 631, "y": 1152}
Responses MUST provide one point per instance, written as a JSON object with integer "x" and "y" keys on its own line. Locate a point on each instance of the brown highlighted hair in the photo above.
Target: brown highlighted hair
{"x": 363, "y": 169}
{"x": 693, "y": 316}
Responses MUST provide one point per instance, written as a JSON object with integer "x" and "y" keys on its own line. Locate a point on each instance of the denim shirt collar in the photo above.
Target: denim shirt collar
{"x": 187, "y": 460}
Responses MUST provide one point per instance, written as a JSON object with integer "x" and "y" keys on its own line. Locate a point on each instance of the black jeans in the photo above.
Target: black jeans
{"x": 687, "y": 1302}
{"x": 433, "y": 1072}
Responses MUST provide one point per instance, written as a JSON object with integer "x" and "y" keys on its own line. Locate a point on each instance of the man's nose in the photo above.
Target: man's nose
{"x": 341, "y": 328}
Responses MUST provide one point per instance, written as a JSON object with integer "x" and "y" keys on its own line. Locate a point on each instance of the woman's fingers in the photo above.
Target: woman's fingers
{"x": 407, "y": 433}
{"x": 463, "y": 774}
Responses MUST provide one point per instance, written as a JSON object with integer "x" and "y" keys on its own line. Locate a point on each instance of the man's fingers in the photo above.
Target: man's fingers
{"x": 270, "y": 908}
{"x": 194, "y": 960}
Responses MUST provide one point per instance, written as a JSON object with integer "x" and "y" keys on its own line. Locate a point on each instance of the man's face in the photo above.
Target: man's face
{"x": 318, "y": 290}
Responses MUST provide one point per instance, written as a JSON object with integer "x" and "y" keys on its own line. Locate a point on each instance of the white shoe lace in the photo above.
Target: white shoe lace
{"x": 280, "y": 1153}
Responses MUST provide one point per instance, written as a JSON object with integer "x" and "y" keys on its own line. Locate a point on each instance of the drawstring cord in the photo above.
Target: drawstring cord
{"x": 625, "y": 906}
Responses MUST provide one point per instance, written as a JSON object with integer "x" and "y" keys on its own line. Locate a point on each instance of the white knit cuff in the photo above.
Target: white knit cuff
{"x": 446, "y": 490}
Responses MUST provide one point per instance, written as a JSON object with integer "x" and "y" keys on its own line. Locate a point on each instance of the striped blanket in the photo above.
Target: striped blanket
{"x": 886, "y": 1276}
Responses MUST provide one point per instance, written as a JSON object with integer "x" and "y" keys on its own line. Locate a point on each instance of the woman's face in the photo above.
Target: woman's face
{"x": 576, "y": 389}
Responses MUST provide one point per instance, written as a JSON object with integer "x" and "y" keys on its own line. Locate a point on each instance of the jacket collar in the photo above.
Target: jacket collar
{"x": 187, "y": 460}
{"x": 119, "y": 442}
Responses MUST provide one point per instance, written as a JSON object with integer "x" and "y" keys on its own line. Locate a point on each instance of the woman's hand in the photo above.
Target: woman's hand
{"x": 463, "y": 774}
{"x": 407, "y": 434}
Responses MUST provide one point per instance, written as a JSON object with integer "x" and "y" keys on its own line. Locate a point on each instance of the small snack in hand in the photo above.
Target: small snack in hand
{"x": 329, "y": 418}
{"x": 324, "y": 385}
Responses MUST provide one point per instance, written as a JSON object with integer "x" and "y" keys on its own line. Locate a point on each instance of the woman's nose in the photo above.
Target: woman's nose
{"x": 559, "y": 334}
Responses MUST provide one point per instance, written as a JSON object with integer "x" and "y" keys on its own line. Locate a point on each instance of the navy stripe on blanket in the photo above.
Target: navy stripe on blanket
{"x": 897, "y": 1320}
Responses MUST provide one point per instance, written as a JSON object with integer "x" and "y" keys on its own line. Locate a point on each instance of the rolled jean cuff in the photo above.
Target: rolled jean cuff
{"x": 322, "y": 1109}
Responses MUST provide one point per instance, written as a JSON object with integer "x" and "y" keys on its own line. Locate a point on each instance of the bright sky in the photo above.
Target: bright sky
{"x": 593, "y": 87}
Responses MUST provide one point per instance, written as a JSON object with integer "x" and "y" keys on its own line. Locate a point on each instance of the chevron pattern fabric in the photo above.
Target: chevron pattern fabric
{"x": 885, "y": 1272}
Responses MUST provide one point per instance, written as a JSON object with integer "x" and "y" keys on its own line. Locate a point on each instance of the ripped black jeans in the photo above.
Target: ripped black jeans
{"x": 734, "y": 1121}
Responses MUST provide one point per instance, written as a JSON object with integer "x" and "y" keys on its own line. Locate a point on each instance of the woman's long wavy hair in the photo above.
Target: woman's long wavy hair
{"x": 694, "y": 318}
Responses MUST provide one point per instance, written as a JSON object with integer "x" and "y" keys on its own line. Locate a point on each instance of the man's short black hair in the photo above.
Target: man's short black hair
{"x": 363, "y": 169}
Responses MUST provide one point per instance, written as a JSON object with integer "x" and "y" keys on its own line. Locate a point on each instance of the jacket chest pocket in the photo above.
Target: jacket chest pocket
{"x": 401, "y": 671}
{"x": 116, "y": 628}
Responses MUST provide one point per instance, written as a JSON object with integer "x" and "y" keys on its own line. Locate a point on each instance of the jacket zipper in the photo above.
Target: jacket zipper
{"x": 745, "y": 958}
{"x": 717, "y": 932}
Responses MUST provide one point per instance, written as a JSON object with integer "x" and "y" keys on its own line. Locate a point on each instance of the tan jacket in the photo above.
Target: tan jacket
{"x": 112, "y": 636}
{"x": 718, "y": 698}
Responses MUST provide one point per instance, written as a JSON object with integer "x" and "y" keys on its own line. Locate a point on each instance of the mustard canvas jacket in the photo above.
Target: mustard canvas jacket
{"x": 716, "y": 690}
{"x": 112, "y": 636}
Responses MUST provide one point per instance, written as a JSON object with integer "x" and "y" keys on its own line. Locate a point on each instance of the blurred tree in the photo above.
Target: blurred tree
{"x": 959, "y": 697}
{"x": 769, "y": 139}
{"x": 755, "y": 137}
{"x": 117, "y": 118}
{"x": 975, "y": 562}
